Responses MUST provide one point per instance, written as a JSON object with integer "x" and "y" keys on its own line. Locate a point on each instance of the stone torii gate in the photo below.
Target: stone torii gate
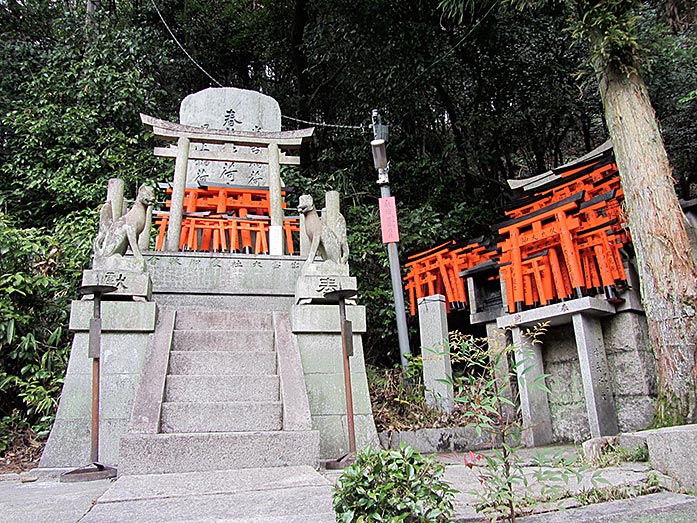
{"x": 237, "y": 146}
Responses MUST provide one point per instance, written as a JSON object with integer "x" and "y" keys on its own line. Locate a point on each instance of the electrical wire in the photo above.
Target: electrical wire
{"x": 182, "y": 47}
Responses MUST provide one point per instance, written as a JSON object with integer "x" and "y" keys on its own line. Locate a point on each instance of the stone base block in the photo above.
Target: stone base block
{"x": 127, "y": 283}
{"x": 312, "y": 288}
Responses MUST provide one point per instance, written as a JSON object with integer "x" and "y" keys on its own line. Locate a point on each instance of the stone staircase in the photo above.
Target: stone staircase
{"x": 221, "y": 404}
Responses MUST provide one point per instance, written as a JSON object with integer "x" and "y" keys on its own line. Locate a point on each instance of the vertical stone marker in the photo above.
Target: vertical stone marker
{"x": 234, "y": 110}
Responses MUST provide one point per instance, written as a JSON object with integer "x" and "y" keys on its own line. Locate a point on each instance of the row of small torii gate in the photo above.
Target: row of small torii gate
{"x": 563, "y": 239}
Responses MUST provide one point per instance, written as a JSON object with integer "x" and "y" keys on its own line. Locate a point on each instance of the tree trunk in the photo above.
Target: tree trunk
{"x": 665, "y": 263}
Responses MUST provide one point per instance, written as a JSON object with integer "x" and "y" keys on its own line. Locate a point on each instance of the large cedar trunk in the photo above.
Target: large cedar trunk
{"x": 665, "y": 263}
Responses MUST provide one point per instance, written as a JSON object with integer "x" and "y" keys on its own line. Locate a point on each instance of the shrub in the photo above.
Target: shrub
{"x": 393, "y": 486}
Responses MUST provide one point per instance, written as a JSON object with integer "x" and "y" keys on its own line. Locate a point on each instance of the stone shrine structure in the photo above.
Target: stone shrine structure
{"x": 214, "y": 359}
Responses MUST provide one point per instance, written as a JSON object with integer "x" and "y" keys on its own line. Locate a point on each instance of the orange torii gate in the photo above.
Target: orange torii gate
{"x": 561, "y": 241}
{"x": 437, "y": 271}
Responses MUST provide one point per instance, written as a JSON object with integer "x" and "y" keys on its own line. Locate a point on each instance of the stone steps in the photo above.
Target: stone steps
{"x": 223, "y": 320}
{"x": 225, "y": 363}
{"x": 223, "y": 388}
{"x": 237, "y": 416}
{"x": 223, "y": 340}
{"x": 188, "y": 452}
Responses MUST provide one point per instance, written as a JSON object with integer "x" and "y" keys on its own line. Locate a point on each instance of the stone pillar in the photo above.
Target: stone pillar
{"x": 114, "y": 194}
{"x": 435, "y": 352}
{"x": 174, "y": 228}
{"x": 276, "y": 201}
{"x": 304, "y": 239}
{"x": 332, "y": 202}
{"x": 318, "y": 332}
{"x": 537, "y": 419}
{"x": 498, "y": 353}
{"x": 144, "y": 238}
{"x": 602, "y": 417}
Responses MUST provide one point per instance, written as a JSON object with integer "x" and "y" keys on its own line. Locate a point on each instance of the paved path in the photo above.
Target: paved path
{"x": 289, "y": 495}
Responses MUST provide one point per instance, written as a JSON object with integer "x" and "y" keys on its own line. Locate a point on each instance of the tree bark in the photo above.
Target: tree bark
{"x": 666, "y": 267}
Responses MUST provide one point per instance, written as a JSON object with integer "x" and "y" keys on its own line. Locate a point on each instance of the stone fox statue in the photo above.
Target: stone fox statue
{"x": 115, "y": 236}
{"x": 330, "y": 244}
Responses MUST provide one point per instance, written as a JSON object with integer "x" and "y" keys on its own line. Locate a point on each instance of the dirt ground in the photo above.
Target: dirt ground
{"x": 22, "y": 454}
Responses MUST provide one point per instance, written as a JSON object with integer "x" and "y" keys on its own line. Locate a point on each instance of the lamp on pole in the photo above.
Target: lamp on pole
{"x": 390, "y": 234}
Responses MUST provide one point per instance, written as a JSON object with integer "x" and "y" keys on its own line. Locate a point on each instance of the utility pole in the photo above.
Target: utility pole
{"x": 390, "y": 233}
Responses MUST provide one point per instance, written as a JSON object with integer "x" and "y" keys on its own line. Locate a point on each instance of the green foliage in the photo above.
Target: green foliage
{"x": 74, "y": 122}
{"x": 611, "y": 29}
{"x": 506, "y": 489}
{"x": 393, "y": 486}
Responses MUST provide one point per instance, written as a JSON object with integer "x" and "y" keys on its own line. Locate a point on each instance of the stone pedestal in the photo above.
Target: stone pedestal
{"x": 435, "y": 352}
{"x": 498, "y": 342}
{"x": 537, "y": 419}
{"x": 317, "y": 329}
{"x": 602, "y": 417}
{"x": 135, "y": 284}
{"x": 126, "y": 334}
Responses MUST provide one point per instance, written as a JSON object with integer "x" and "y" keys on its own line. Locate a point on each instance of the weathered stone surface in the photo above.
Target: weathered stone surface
{"x": 126, "y": 316}
{"x": 570, "y": 422}
{"x": 429, "y": 441}
{"x": 296, "y": 405}
{"x": 672, "y": 451}
{"x": 125, "y": 344}
{"x": 317, "y": 330}
{"x": 222, "y": 274}
{"x": 226, "y": 388}
{"x": 220, "y": 340}
{"x": 558, "y": 313}
{"x": 595, "y": 373}
{"x": 327, "y": 393}
{"x": 223, "y": 321}
{"x": 206, "y": 416}
{"x": 533, "y": 399}
{"x": 127, "y": 283}
{"x": 164, "y": 453}
{"x": 319, "y": 354}
{"x": 325, "y": 318}
{"x": 234, "y": 110}
{"x": 312, "y": 288}
{"x": 634, "y": 412}
{"x": 258, "y": 363}
{"x": 435, "y": 352}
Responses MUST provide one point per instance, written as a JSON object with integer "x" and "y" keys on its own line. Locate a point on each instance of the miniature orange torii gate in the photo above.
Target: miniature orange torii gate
{"x": 437, "y": 271}
{"x": 236, "y": 147}
{"x": 561, "y": 241}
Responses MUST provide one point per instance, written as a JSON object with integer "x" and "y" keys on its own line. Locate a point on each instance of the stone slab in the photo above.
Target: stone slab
{"x": 664, "y": 507}
{"x": 127, "y": 283}
{"x": 222, "y": 273}
{"x": 306, "y": 503}
{"x": 315, "y": 318}
{"x": 166, "y": 453}
{"x": 326, "y": 393}
{"x": 48, "y": 501}
{"x": 238, "y": 416}
{"x": 116, "y": 316}
{"x": 321, "y": 354}
{"x": 296, "y": 405}
{"x": 430, "y": 441}
{"x": 260, "y": 363}
{"x": 234, "y": 110}
{"x": 312, "y": 288}
{"x": 558, "y": 313}
{"x": 672, "y": 451}
{"x": 334, "y": 434}
{"x": 153, "y": 486}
